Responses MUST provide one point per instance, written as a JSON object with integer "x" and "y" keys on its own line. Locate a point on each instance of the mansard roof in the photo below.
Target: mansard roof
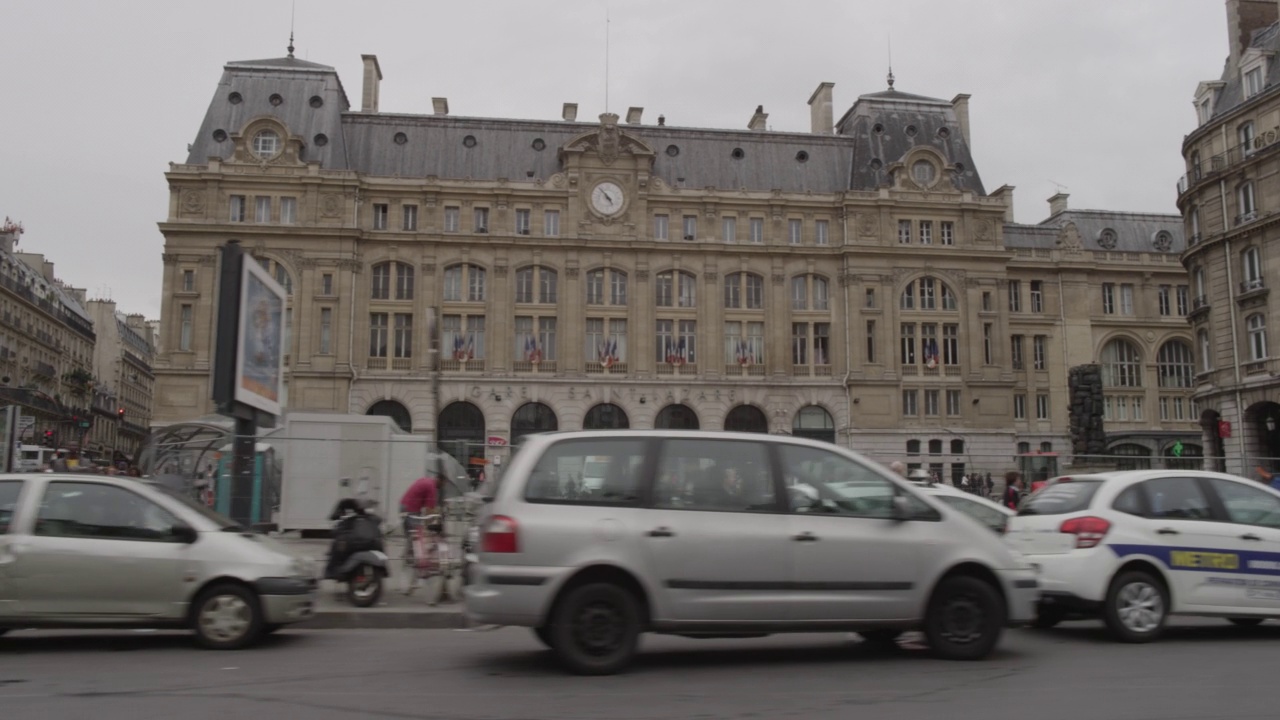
{"x": 1133, "y": 232}
{"x": 433, "y": 145}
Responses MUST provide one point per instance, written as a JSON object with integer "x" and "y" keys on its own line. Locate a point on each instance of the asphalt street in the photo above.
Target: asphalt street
{"x": 1205, "y": 669}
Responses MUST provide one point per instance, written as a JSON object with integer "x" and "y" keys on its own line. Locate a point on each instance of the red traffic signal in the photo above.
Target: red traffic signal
{"x": 120, "y": 413}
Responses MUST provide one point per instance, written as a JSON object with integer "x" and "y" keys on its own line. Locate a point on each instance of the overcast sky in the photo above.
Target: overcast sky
{"x": 100, "y": 96}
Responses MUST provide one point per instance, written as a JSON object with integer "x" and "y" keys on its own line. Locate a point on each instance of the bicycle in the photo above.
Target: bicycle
{"x": 428, "y": 557}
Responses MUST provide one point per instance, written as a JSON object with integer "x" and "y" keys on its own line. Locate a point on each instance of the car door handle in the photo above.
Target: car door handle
{"x": 805, "y": 537}
{"x": 661, "y": 532}
{"x": 1250, "y": 536}
{"x": 1167, "y": 531}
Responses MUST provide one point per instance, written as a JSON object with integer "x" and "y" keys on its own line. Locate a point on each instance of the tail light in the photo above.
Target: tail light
{"x": 1089, "y": 531}
{"x": 500, "y": 535}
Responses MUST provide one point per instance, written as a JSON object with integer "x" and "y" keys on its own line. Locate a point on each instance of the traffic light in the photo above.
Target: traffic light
{"x": 120, "y": 414}
{"x": 48, "y": 439}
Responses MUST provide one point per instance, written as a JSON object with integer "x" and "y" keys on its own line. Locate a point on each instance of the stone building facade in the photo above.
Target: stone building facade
{"x": 1230, "y": 204}
{"x": 122, "y": 363}
{"x": 46, "y": 346}
{"x": 855, "y": 283}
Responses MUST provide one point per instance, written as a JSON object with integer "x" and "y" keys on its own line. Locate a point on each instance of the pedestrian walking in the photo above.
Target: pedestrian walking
{"x": 1012, "y": 489}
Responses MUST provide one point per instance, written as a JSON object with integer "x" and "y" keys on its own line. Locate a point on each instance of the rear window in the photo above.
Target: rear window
{"x": 9, "y": 492}
{"x": 1061, "y": 496}
{"x": 588, "y": 471}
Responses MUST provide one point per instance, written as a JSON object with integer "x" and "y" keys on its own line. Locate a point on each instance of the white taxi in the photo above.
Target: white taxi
{"x": 1135, "y": 547}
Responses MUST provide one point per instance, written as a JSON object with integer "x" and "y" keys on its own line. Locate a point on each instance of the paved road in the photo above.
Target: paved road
{"x": 1204, "y": 670}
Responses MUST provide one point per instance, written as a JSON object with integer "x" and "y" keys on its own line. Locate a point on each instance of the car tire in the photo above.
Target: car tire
{"x": 1047, "y": 617}
{"x": 595, "y": 628}
{"x": 1136, "y": 607}
{"x": 544, "y": 635}
{"x": 1246, "y": 621}
{"x": 965, "y": 618}
{"x": 369, "y": 594}
{"x": 227, "y": 617}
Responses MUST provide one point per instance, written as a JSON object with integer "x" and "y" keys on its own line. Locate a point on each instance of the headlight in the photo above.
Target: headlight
{"x": 303, "y": 567}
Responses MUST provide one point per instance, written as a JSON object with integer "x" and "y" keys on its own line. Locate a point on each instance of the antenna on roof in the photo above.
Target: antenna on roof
{"x": 292, "y": 11}
{"x": 890, "y": 78}
{"x": 1058, "y": 185}
{"x": 606, "y": 57}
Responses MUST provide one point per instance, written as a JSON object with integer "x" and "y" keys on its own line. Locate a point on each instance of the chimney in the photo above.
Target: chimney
{"x": 137, "y": 323}
{"x": 662, "y": 120}
{"x": 570, "y": 112}
{"x": 372, "y": 77}
{"x": 1243, "y": 18}
{"x": 1058, "y": 204}
{"x": 1005, "y": 194}
{"x": 960, "y": 105}
{"x": 633, "y": 115}
{"x": 440, "y": 106}
{"x": 820, "y": 114}
{"x": 758, "y": 119}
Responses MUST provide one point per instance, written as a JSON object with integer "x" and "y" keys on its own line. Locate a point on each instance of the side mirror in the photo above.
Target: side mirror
{"x": 184, "y": 533}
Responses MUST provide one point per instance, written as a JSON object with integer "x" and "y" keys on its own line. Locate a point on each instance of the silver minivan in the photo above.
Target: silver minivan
{"x": 719, "y": 534}
{"x": 89, "y": 551}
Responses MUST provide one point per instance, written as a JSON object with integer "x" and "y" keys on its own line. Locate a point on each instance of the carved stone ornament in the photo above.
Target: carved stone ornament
{"x": 642, "y": 275}
{"x": 192, "y": 201}
{"x": 169, "y": 259}
{"x": 500, "y": 271}
{"x": 711, "y": 276}
{"x": 330, "y": 205}
{"x": 866, "y": 224}
{"x": 609, "y": 138}
{"x": 572, "y": 272}
{"x": 1107, "y": 239}
{"x": 779, "y": 279}
{"x": 429, "y": 268}
{"x": 1163, "y": 242}
{"x": 983, "y": 231}
{"x": 1069, "y": 238}
{"x": 207, "y": 260}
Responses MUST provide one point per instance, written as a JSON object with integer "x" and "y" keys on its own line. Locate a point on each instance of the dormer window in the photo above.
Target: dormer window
{"x": 1253, "y": 82}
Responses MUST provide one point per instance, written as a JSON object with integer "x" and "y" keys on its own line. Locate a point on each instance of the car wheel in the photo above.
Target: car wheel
{"x": 1136, "y": 607}
{"x": 965, "y": 618}
{"x": 543, "y": 635}
{"x": 227, "y": 617}
{"x": 1047, "y": 617}
{"x": 364, "y": 586}
{"x": 1246, "y": 621}
{"x": 595, "y": 628}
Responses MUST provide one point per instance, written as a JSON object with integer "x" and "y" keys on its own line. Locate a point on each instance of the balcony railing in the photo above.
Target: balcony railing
{"x": 1200, "y": 302}
{"x": 672, "y": 369}
{"x": 811, "y": 371}
{"x": 528, "y": 366}
{"x": 1256, "y": 367}
{"x": 1193, "y": 239}
{"x": 472, "y": 365}
{"x": 1246, "y": 218}
{"x": 376, "y": 363}
{"x": 1252, "y": 284}
{"x": 736, "y": 370}
{"x": 598, "y": 368}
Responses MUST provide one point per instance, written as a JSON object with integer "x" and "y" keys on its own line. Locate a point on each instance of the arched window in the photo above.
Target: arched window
{"x": 815, "y": 423}
{"x": 530, "y": 418}
{"x": 536, "y": 284}
{"x": 1257, "y": 325}
{"x": 279, "y": 272}
{"x": 957, "y": 447}
{"x": 1121, "y": 364}
{"x": 1024, "y": 448}
{"x": 607, "y": 286}
{"x": 266, "y": 144}
{"x": 606, "y": 416}
{"x": 927, "y": 293}
{"x": 1046, "y": 446}
{"x": 387, "y": 275}
{"x": 394, "y": 410}
{"x": 461, "y": 431}
{"x": 464, "y": 283}
{"x": 810, "y": 292}
{"x": 676, "y": 288}
{"x": 913, "y": 447}
{"x": 1175, "y": 365}
{"x": 676, "y": 417}
{"x": 743, "y": 290}
{"x": 1130, "y": 456}
{"x": 746, "y": 418}
{"x": 935, "y": 447}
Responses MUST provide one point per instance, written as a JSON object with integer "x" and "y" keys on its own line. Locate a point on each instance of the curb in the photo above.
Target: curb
{"x": 356, "y": 619}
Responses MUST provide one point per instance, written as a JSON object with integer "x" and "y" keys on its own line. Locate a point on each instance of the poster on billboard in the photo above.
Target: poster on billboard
{"x": 259, "y": 378}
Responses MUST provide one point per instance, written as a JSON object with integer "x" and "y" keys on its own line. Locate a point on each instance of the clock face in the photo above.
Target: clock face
{"x": 607, "y": 198}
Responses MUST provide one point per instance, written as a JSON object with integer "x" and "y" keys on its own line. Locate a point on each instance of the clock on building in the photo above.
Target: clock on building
{"x": 607, "y": 198}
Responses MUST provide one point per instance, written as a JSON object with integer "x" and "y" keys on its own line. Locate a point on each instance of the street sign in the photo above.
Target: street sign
{"x": 26, "y": 422}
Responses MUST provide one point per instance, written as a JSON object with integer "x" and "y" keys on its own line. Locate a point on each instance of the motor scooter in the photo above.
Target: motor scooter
{"x": 357, "y": 556}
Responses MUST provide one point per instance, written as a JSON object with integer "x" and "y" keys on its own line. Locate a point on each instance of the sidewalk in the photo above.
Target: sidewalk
{"x": 394, "y": 610}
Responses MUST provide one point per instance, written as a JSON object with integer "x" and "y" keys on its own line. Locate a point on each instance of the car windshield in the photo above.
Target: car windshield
{"x": 223, "y": 522}
{"x": 1062, "y": 495}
